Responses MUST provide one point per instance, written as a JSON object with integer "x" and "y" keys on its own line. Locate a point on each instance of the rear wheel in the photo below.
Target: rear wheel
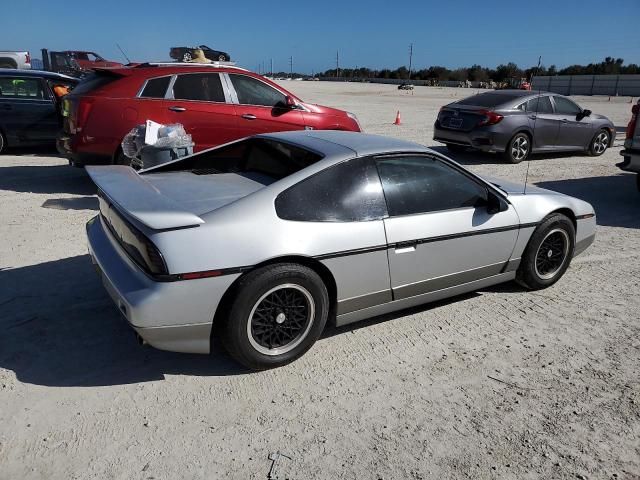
{"x": 222, "y": 58}
{"x": 518, "y": 149}
{"x": 277, "y": 315}
{"x": 548, "y": 253}
{"x": 187, "y": 57}
{"x": 3, "y": 143}
{"x": 600, "y": 143}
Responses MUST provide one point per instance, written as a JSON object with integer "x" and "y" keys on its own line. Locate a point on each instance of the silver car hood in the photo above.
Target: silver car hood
{"x": 514, "y": 188}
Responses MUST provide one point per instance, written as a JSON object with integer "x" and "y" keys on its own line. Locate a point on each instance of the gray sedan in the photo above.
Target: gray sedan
{"x": 260, "y": 242}
{"x": 516, "y": 123}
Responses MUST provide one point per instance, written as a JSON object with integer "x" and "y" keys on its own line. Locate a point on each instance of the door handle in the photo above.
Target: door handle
{"x": 249, "y": 116}
{"x": 405, "y": 247}
{"x": 177, "y": 109}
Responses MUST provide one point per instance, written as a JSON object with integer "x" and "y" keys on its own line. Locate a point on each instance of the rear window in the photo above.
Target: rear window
{"x": 93, "y": 82}
{"x": 156, "y": 87}
{"x": 262, "y": 160}
{"x": 487, "y": 100}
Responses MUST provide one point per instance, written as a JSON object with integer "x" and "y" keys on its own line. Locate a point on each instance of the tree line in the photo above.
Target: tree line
{"x": 609, "y": 66}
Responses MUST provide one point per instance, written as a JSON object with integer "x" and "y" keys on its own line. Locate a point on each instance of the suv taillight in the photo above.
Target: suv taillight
{"x": 489, "y": 118}
{"x": 82, "y": 111}
{"x": 631, "y": 127}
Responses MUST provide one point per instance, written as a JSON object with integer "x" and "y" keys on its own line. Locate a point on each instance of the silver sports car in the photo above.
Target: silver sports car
{"x": 516, "y": 123}
{"x": 258, "y": 243}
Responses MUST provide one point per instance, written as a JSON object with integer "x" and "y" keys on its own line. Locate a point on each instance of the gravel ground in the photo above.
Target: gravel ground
{"x": 501, "y": 383}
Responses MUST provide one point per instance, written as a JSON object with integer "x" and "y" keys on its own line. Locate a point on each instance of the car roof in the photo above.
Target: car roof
{"x": 6, "y": 72}
{"x": 360, "y": 143}
{"x": 169, "y": 68}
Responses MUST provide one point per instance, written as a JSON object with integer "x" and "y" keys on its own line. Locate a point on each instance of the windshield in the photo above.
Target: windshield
{"x": 262, "y": 160}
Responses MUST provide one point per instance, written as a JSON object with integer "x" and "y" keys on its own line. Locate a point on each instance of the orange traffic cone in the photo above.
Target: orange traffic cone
{"x": 398, "y": 121}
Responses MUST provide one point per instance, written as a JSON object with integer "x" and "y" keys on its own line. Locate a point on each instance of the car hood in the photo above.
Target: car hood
{"x": 515, "y": 188}
{"x": 315, "y": 108}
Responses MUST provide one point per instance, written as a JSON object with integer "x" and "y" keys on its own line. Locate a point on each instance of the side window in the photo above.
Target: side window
{"x": 26, "y": 88}
{"x": 564, "y": 106}
{"x": 539, "y": 105}
{"x": 347, "y": 192}
{"x": 421, "y": 184}
{"x": 205, "y": 87}
{"x": 156, "y": 87}
{"x": 254, "y": 92}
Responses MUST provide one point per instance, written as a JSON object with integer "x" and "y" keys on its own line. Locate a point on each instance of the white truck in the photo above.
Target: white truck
{"x": 20, "y": 60}
{"x": 631, "y": 152}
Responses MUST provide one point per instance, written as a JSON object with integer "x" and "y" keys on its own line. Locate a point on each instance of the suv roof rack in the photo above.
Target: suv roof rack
{"x": 213, "y": 64}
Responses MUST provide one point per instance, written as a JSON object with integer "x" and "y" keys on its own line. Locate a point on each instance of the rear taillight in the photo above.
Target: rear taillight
{"x": 27, "y": 57}
{"x": 631, "y": 127}
{"x": 82, "y": 113}
{"x": 489, "y": 118}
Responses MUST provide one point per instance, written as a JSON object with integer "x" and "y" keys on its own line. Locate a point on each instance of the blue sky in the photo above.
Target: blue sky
{"x": 375, "y": 34}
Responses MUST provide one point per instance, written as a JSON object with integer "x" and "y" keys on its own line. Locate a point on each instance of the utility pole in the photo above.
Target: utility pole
{"x": 410, "y": 59}
{"x": 291, "y": 67}
{"x": 271, "y": 73}
{"x": 337, "y": 64}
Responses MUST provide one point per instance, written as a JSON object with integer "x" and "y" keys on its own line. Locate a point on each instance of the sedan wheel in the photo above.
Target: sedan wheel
{"x": 600, "y": 143}
{"x": 2, "y": 142}
{"x": 277, "y": 314}
{"x": 548, "y": 253}
{"x": 187, "y": 57}
{"x": 518, "y": 149}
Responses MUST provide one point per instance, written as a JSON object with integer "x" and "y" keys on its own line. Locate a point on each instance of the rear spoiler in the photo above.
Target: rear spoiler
{"x": 138, "y": 199}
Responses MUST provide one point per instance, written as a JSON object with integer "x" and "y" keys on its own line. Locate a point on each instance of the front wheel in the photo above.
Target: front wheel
{"x": 277, "y": 315}
{"x": 548, "y": 253}
{"x": 600, "y": 143}
{"x": 518, "y": 149}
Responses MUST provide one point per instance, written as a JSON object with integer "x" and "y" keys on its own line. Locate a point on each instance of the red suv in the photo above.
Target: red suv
{"x": 216, "y": 104}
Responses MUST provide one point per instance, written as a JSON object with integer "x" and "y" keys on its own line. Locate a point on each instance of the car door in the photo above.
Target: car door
{"x": 261, "y": 108}
{"x": 440, "y": 232}
{"x": 337, "y": 216}
{"x": 575, "y": 129}
{"x": 28, "y": 109}
{"x": 201, "y": 103}
{"x": 542, "y": 122}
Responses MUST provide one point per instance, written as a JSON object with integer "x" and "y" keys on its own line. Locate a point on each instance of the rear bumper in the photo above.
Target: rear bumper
{"x": 483, "y": 139}
{"x": 631, "y": 161}
{"x": 65, "y": 146}
{"x": 174, "y": 316}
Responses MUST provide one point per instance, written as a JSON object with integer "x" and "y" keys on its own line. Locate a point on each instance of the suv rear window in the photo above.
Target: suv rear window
{"x": 205, "y": 87}
{"x": 156, "y": 87}
{"x": 487, "y": 100}
{"x": 93, "y": 82}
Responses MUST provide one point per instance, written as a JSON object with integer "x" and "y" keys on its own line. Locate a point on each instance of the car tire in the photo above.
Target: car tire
{"x": 3, "y": 143}
{"x": 277, "y": 314}
{"x": 452, "y": 147}
{"x": 186, "y": 57}
{"x": 518, "y": 148}
{"x": 548, "y": 253}
{"x": 222, "y": 58}
{"x": 600, "y": 142}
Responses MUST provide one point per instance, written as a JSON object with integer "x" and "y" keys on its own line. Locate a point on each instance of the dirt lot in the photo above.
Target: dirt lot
{"x": 501, "y": 383}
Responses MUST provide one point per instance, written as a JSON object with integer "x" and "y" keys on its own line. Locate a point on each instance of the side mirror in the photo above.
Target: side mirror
{"x": 495, "y": 203}
{"x": 290, "y": 102}
{"x": 586, "y": 113}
